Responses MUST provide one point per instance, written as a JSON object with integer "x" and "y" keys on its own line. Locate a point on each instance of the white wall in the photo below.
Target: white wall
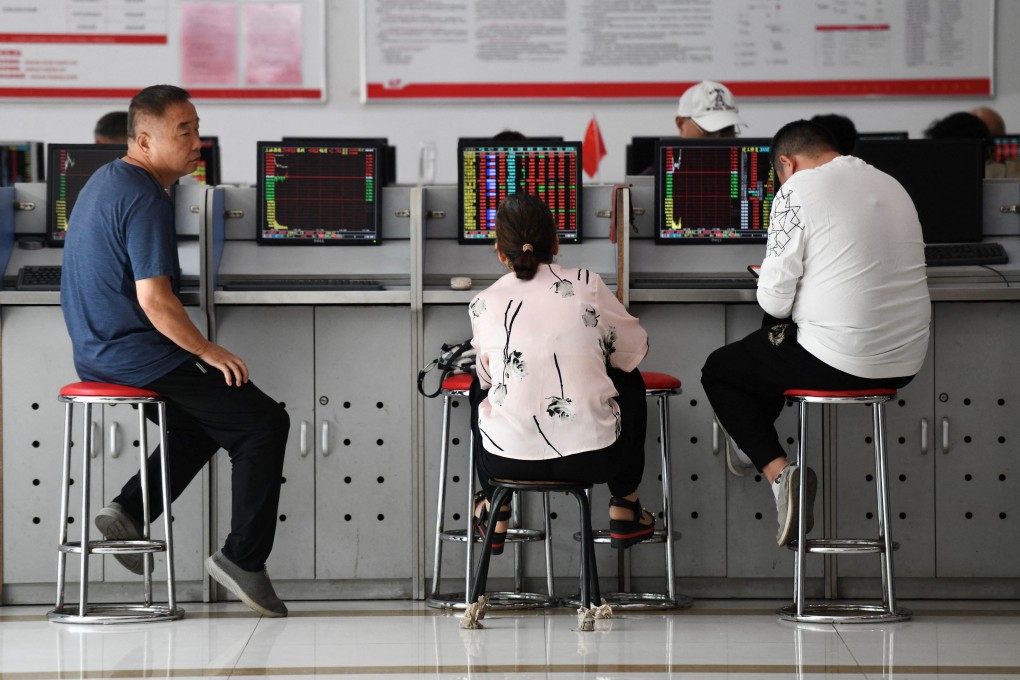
{"x": 239, "y": 126}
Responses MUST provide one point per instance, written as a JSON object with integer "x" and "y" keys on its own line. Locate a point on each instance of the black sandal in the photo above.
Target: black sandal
{"x": 481, "y": 523}
{"x": 625, "y": 533}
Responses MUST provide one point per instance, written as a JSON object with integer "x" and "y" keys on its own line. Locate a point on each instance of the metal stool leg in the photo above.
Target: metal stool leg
{"x": 167, "y": 518}
{"x": 482, "y": 571}
{"x": 667, "y": 495}
{"x": 143, "y": 473}
{"x": 882, "y": 491}
{"x": 444, "y": 451}
{"x": 798, "y": 567}
{"x": 86, "y": 484}
{"x": 548, "y": 547}
{"x": 65, "y": 490}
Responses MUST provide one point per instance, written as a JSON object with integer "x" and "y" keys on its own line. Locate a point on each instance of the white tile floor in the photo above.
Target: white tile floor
{"x": 714, "y": 639}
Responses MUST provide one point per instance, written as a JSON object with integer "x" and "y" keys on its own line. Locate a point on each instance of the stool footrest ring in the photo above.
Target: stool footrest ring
{"x": 844, "y": 546}
{"x": 638, "y": 601}
{"x": 115, "y": 613}
{"x": 498, "y": 601}
{"x": 105, "y": 547}
{"x": 602, "y": 536}
{"x": 834, "y": 611}
{"x": 512, "y": 536}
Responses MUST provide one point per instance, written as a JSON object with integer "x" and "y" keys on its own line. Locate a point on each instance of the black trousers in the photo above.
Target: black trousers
{"x": 205, "y": 414}
{"x": 621, "y": 464}
{"x": 745, "y": 381}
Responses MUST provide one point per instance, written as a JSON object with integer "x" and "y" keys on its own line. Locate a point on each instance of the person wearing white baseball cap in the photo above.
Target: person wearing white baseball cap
{"x": 707, "y": 109}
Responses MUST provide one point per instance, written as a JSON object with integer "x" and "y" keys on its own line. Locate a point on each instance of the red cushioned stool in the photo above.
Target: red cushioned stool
{"x": 833, "y": 611}
{"x": 661, "y": 386}
{"x": 88, "y": 394}
{"x": 459, "y": 385}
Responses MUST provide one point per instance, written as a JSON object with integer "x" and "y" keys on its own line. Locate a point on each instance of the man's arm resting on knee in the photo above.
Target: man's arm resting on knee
{"x": 165, "y": 311}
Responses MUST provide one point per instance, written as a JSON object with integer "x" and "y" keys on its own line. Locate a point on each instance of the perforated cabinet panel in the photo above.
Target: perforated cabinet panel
{"x": 751, "y": 520}
{"x": 680, "y": 339}
{"x": 911, "y": 478}
{"x": 977, "y": 475}
{"x": 37, "y": 362}
{"x": 363, "y": 383}
{"x": 278, "y": 344}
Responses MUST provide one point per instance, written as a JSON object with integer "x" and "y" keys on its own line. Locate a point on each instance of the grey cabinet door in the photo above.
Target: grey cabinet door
{"x": 977, "y": 469}
{"x": 909, "y": 438}
{"x": 37, "y": 362}
{"x": 278, "y": 345}
{"x": 363, "y": 388}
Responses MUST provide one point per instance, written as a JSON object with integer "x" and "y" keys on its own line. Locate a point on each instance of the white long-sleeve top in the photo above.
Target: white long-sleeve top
{"x": 542, "y": 348}
{"x": 845, "y": 258}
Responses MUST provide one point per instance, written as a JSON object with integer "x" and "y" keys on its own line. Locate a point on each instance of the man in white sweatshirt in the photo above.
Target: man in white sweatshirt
{"x": 845, "y": 297}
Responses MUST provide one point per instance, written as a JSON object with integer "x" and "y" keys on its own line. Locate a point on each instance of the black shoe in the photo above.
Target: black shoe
{"x": 624, "y": 533}
{"x": 481, "y": 522}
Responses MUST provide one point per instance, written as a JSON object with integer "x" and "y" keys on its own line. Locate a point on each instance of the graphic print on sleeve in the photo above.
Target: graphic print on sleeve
{"x": 513, "y": 361}
{"x": 785, "y": 218}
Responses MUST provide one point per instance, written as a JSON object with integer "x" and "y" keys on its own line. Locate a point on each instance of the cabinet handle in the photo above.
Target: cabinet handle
{"x": 715, "y": 437}
{"x": 325, "y": 438}
{"x": 303, "y": 445}
{"x": 92, "y": 443}
{"x": 945, "y": 434}
{"x": 114, "y": 443}
{"x": 924, "y": 436}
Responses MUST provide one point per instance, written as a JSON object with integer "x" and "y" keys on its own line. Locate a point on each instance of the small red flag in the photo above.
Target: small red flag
{"x": 593, "y": 150}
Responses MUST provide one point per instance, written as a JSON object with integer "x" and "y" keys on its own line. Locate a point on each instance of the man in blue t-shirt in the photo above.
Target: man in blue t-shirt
{"x": 127, "y": 325}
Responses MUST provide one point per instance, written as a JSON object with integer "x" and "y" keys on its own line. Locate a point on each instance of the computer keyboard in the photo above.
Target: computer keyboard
{"x": 686, "y": 282}
{"x": 958, "y": 254}
{"x": 302, "y": 284}
{"x": 45, "y": 277}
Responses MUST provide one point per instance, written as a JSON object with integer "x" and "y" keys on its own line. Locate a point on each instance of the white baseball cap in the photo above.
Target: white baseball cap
{"x": 710, "y": 105}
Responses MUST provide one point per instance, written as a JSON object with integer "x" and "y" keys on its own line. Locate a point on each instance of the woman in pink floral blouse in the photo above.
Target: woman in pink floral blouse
{"x": 558, "y": 396}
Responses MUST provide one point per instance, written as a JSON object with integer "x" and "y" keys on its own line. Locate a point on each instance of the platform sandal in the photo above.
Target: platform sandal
{"x": 625, "y": 533}
{"x": 481, "y": 522}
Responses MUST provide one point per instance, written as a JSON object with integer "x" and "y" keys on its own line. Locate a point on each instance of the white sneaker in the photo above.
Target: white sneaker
{"x": 789, "y": 496}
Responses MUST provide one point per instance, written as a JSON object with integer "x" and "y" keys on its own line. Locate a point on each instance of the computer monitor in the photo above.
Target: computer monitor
{"x": 388, "y": 158}
{"x": 883, "y": 135}
{"x": 1005, "y": 147}
{"x": 208, "y": 170}
{"x": 489, "y": 171}
{"x": 640, "y": 154}
{"x": 312, "y": 194}
{"x": 713, "y": 190}
{"x": 20, "y": 162}
{"x": 944, "y": 177}
{"x": 70, "y": 166}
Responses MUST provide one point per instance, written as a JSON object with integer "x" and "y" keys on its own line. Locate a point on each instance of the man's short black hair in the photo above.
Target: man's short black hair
{"x": 801, "y": 137}
{"x": 842, "y": 130}
{"x": 112, "y": 125}
{"x": 154, "y": 101}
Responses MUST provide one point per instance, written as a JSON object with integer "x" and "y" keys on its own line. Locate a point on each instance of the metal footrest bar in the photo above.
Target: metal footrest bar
{"x": 115, "y": 613}
{"x": 498, "y": 601}
{"x": 637, "y": 601}
{"x": 844, "y": 546}
{"x": 601, "y": 536}
{"x": 105, "y": 547}
{"x": 835, "y": 611}
{"x": 512, "y": 536}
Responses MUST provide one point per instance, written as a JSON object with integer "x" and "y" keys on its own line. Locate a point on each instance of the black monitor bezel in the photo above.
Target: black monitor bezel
{"x": 721, "y": 142}
{"x": 894, "y": 135}
{"x": 212, "y": 179}
{"x": 916, "y": 151}
{"x": 260, "y": 208}
{"x": 38, "y": 153}
{"x": 51, "y": 184}
{"x": 470, "y": 142}
{"x": 634, "y": 158}
{"x": 388, "y": 158}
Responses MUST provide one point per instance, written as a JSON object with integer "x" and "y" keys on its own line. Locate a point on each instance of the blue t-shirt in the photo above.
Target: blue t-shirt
{"x": 120, "y": 231}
